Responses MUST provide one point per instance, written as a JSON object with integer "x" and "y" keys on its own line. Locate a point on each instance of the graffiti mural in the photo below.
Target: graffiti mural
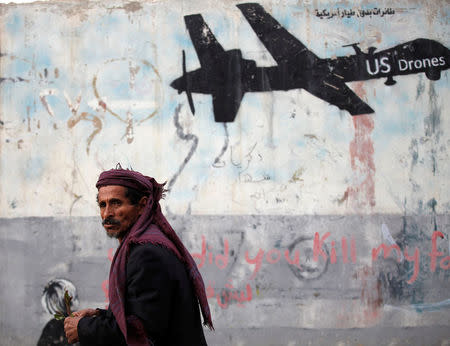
{"x": 311, "y": 186}
{"x": 227, "y": 76}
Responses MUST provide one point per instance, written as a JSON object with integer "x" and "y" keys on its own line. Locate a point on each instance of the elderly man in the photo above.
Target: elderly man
{"x": 155, "y": 288}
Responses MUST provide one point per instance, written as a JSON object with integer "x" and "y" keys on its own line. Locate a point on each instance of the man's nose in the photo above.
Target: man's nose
{"x": 107, "y": 212}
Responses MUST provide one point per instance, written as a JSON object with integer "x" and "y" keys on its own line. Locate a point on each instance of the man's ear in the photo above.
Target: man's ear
{"x": 142, "y": 203}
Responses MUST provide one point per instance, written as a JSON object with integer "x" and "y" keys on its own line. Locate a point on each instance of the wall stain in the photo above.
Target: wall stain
{"x": 133, "y": 6}
{"x": 362, "y": 162}
{"x": 344, "y": 198}
{"x": 371, "y": 295}
{"x": 84, "y": 116}
{"x": 420, "y": 87}
{"x": 296, "y": 177}
{"x": 414, "y": 151}
{"x": 362, "y": 193}
{"x": 310, "y": 136}
{"x": 432, "y": 125}
{"x": 433, "y": 121}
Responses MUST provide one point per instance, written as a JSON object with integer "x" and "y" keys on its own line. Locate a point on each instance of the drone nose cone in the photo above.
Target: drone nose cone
{"x": 177, "y": 84}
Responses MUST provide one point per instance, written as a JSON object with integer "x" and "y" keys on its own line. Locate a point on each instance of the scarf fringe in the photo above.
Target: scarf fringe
{"x": 209, "y": 325}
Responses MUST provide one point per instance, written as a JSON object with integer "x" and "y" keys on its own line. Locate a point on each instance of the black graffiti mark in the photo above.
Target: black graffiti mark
{"x": 432, "y": 203}
{"x": 235, "y": 251}
{"x": 218, "y": 162}
{"x": 17, "y": 78}
{"x": 227, "y": 76}
{"x": 344, "y": 13}
{"x": 309, "y": 269}
{"x": 185, "y": 137}
{"x": 14, "y": 80}
{"x": 414, "y": 151}
{"x": 432, "y": 125}
{"x": 42, "y": 77}
{"x": 249, "y": 157}
{"x": 394, "y": 275}
{"x": 393, "y": 282}
{"x": 433, "y": 121}
{"x": 420, "y": 88}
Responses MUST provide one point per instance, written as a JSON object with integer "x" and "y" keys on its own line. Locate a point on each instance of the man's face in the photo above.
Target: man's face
{"x": 117, "y": 213}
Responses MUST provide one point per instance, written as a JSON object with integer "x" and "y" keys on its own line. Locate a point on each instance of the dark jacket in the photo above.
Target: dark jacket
{"x": 159, "y": 293}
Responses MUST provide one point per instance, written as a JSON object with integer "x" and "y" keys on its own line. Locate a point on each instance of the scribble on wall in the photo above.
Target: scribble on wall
{"x": 126, "y": 96}
{"x": 227, "y": 76}
{"x": 52, "y": 301}
{"x": 309, "y": 269}
{"x": 133, "y": 96}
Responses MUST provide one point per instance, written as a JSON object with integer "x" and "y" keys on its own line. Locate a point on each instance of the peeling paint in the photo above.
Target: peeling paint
{"x": 133, "y": 6}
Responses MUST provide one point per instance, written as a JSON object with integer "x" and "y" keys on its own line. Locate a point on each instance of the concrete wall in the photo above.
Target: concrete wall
{"x": 283, "y": 208}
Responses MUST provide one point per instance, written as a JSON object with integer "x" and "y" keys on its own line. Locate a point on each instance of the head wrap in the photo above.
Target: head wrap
{"x": 151, "y": 227}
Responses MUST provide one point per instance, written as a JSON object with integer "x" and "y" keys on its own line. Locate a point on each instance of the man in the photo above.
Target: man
{"x": 154, "y": 284}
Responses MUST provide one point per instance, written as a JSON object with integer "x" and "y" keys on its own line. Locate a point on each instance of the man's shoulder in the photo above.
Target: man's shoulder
{"x": 151, "y": 258}
{"x": 139, "y": 251}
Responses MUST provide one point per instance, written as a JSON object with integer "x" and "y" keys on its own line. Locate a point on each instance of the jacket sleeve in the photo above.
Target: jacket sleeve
{"x": 149, "y": 288}
{"x": 100, "y": 330}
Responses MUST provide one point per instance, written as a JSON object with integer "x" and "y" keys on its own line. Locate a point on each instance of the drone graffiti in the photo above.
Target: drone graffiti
{"x": 227, "y": 76}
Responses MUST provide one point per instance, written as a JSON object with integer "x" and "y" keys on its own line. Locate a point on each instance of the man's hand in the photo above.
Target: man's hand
{"x": 71, "y": 328}
{"x": 85, "y": 312}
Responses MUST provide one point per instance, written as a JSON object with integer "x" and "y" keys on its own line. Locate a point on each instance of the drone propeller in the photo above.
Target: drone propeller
{"x": 187, "y": 86}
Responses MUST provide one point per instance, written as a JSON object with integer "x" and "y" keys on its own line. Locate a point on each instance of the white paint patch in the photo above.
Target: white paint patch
{"x": 388, "y": 237}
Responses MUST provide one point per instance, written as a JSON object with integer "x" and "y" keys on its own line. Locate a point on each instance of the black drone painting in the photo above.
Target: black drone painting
{"x": 227, "y": 76}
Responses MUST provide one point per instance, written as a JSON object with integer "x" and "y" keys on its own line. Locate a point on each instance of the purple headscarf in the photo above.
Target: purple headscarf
{"x": 151, "y": 227}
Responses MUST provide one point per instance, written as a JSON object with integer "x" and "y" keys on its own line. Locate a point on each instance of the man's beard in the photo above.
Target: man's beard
{"x": 116, "y": 235}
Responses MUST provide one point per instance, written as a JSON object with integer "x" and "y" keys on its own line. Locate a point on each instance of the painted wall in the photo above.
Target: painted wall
{"x": 284, "y": 208}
